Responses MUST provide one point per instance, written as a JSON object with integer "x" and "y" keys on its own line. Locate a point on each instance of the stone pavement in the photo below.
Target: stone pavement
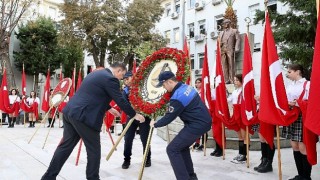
{"x": 23, "y": 161}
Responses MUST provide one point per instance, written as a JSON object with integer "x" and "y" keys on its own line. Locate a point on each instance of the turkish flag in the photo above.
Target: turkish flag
{"x": 248, "y": 103}
{"x": 72, "y": 89}
{"x": 4, "y": 96}
{"x": 186, "y": 51}
{"x": 79, "y": 79}
{"x": 221, "y": 104}
{"x": 134, "y": 67}
{"x": 205, "y": 85}
{"x": 274, "y": 107}
{"x": 311, "y": 122}
{"x": 45, "y": 99}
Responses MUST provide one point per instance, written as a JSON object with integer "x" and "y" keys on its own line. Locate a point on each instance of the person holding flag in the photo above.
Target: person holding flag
{"x": 235, "y": 99}
{"x": 298, "y": 89}
{"x": 197, "y": 145}
{"x": 14, "y": 101}
{"x": 33, "y": 101}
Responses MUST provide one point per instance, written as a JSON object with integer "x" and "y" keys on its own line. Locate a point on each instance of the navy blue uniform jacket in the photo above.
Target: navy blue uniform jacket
{"x": 186, "y": 103}
{"x": 92, "y": 99}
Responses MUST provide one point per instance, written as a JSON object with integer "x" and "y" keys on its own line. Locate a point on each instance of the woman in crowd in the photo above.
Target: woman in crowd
{"x": 297, "y": 89}
{"x": 14, "y": 101}
{"x": 32, "y": 115}
{"x": 235, "y": 98}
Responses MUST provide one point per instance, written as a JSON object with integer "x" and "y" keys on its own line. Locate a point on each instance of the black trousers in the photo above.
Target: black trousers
{"x": 179, "y": 153}
{"x": 72, "y": 132}
{"x": 144, "y": 129}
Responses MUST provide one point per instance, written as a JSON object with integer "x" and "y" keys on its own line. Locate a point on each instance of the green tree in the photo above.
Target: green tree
{"x": 294, "y": 31}
{"x": 38, "y": 48}
{"x": 111, "y": 28}
{"x": 71, "y": 51}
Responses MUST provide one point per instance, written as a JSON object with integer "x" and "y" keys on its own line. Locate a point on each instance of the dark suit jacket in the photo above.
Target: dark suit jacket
{"x": 92, "y": 99}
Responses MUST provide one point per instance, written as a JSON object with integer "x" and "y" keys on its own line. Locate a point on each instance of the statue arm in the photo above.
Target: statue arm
{"x": 238, "y": 39}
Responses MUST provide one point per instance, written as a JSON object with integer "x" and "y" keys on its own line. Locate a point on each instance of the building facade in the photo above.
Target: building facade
{"x": 200, "y": 22}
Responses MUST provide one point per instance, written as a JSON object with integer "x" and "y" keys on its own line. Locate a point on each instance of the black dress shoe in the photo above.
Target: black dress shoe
{"x": 148, "y": 163}
{"x": 213, "y": 153}
{"x": 218, "y": 154}
{"x": 193, "y": 176}
{"x": 125, "y": 164}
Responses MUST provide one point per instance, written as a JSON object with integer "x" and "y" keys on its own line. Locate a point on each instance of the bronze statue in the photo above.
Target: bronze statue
{"x": 230, "y": 44}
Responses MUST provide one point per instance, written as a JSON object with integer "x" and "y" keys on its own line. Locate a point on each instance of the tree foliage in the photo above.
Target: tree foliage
{"x": 294, "y": 31}
{"x": 111, "y": 28}
{"x": 38, "y": 47}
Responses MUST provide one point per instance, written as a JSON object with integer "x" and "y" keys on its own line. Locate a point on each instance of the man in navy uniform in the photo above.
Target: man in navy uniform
{"x": 83, "y": 116}
{"x": 144, "y": 129}
{"x": 186, "y": 104}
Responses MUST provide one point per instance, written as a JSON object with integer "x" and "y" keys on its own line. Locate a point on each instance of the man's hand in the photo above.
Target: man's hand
{"x": 139, "y": 117}
{"x": 152, "y": 123}
{"x": 114, "y": 112}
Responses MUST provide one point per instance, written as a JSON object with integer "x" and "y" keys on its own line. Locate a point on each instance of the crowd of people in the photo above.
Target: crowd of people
{"x": 83, "y": 114}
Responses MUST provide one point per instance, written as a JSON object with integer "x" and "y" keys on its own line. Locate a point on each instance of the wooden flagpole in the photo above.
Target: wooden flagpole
{"x": 248, "y": 143}
{"x": 79, "y": 150}
{"x": 50, "y": 127}
{"x": 223, "y": 142}
{"x": 279, "y": 153}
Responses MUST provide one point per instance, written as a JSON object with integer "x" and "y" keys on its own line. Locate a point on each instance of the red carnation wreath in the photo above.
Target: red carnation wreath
{"x": 143, "y": 87}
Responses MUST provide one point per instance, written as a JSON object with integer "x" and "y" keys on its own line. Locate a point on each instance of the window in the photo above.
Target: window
{"x": 52, "y": 12}
{"x": 191, "y": 30}
{"x": 192, "y": 61}
{"x": 272, "y": 7}
{"x": 201, "y": 58}
{"x": 252, "y": 10}
{"x": 168, "y": 10}
{"x": 202, "y": 27}
{"x": 167, "y": 36}
{"x": 192, "y": 3}
{"x": 176, "y": 35}
{"x": 178, "y": 6}
{"x": 218, "y": 22}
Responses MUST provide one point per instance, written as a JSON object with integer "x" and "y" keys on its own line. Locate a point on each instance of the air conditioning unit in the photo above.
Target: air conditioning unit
{"x": 174, "y": 15}
{"x": 257, "y": 47}
{"x": 199, "y": 38}
{"x": 199, "y": 5}
{"x": 214, "y": 35}
{"x": 58, "y": 75}
{"x": 216, "y": 2}
{"x": 198, "y": 72}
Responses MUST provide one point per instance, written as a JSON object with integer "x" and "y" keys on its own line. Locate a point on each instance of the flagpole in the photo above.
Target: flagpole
{"x": 223, "y": 144}
{"x": 248, "y": 21}
{"x": 317, "y": 4}
{"x": 279, "y": 153}
{"x": 277, "y": 127}
{"x": 24, "y": 114}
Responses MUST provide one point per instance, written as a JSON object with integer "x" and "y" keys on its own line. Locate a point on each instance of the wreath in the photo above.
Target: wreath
{"x": 139, "y": 96}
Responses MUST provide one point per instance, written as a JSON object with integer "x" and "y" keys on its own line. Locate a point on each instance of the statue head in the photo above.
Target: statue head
{"x": 226, "y": 23}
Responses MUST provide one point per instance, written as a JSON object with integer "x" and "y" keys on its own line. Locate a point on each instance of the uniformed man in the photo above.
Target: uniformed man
{"x": 185, "y": 103}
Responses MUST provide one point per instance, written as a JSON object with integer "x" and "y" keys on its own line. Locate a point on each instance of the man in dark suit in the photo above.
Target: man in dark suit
{"x": 83, "y": 116}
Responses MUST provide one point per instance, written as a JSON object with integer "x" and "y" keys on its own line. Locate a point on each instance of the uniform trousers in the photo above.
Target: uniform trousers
{"x": 73, "y": 131}
{"x": 144, "y": 129}
{"x": 179, "y": 153}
